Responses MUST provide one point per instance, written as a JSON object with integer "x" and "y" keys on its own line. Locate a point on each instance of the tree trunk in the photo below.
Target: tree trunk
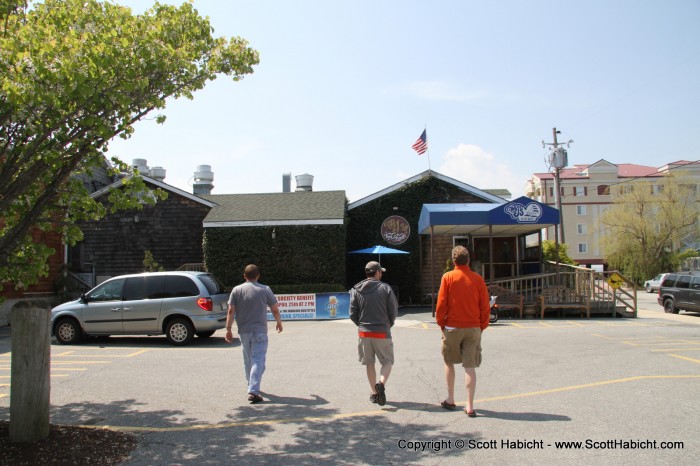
{"x": 30, "y": 386}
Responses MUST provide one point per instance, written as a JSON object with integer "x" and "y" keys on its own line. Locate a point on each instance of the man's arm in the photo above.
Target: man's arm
{"x": 229, "y": 322}
{"x": 278, "y": 317}
{"x": 354, "y": 308}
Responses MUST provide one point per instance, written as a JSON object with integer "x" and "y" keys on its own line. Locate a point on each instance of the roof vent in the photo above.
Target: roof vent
{"x": 158, "y": 173}
{"x": 203, "y": 180}
{"x": 305, "y": 182}
{"x": 141, "y": 165}
{"x": 286, "y": 182}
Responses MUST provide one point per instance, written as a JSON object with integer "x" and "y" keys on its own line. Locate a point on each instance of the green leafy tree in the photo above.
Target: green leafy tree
{"x": 150, "y": 264}
{"x": 644, "y": 227}
{"x": 73, "y": 75}
{"x": 549, "y": 251}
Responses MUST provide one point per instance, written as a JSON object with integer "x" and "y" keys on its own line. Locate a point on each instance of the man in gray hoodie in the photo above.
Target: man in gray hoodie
{"x": 373, "y": 308}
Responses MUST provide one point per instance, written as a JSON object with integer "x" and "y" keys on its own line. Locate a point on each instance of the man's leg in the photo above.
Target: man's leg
{"x": 246, "y": 339}
{"x": 257, "y": 359}
{"x": 384, "y": 372}
{"x": 371, "y": 376}
{"x": 470, "y": 380}
{"x": 450, "y": 380}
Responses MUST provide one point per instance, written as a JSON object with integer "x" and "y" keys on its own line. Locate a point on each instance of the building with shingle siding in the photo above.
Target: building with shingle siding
{"x": 409, "y": 274}
{"x": 294, "y": 237}
{"x": 115, "y": 245}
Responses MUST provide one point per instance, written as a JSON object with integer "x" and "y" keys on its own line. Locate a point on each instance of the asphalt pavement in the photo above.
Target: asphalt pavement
{"x": 553, "y": 391}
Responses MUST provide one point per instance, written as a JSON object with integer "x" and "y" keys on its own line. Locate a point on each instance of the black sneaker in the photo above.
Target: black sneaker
{"x": 373, "y": 398}
{"x": 381, "y": 395}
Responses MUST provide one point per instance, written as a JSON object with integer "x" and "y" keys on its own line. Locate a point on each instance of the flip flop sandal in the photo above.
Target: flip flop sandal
{"x": 470, "y": 414}
{"x": 447, "y": 405}
{"x": 255, "y": 399}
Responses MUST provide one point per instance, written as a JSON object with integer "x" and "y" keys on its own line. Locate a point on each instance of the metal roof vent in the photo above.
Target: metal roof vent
{"x": 305, "y": 182}
{"x": 158, "y": 173}
{"x": 203, "y": 180}
{"x": 286, "y": 182}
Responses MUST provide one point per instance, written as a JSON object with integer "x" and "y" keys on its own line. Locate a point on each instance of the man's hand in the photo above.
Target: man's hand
{"x": 279, "y": 326}
{"x": 229, "y": 336}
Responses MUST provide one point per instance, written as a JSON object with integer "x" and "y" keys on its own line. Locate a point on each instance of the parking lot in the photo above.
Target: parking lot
{"x": 613, "y": 391}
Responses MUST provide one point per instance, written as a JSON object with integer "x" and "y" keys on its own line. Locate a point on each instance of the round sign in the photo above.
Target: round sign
{"x": 395, "y": 230}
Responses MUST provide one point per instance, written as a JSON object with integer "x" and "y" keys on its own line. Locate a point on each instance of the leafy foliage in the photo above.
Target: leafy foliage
{"x": 73, "y": 75}
{"x": 645, "y": 225}
{"x": 297, "y": 254}
{"x": 549, "y": 251}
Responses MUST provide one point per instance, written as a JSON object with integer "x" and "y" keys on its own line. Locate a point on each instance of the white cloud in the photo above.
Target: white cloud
{"x": 473, "y": 165}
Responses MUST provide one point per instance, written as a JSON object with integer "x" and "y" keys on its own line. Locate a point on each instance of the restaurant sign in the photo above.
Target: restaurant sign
{"x": 395, "y": 230}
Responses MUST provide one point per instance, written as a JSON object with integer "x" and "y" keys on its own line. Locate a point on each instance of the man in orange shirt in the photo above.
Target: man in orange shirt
{"x": 462, "y": 313}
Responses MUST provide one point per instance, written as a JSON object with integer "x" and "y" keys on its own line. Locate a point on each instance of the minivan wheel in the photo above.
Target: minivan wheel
{"x": 68, "y": 331}
{"x": 206, "y": 334}
{"x": 648, "y": 288}
{"x": 669, "y": 308}
{"x": 179, "y": 332}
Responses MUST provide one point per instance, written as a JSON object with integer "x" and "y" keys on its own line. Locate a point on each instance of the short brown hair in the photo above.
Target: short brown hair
{"x": 251, "y": 272}
{"x": 460, "y": 255}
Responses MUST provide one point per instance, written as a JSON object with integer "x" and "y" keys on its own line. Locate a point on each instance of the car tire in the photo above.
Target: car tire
{"x": 179, "y": 332}
{"x": 68, "y": 332}
{"x": 206, "y": 334}
{"x": 669, "y": 307}
{"x": 649, "y": 290}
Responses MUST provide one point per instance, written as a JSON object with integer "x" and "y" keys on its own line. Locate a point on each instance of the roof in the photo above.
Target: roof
{"x": 520, "y": 216}
{"x": 274, "y": 209}
{"x": 624, "y": 170}
{"x": 157, "y": 183}
{"x": 463, "y": 186}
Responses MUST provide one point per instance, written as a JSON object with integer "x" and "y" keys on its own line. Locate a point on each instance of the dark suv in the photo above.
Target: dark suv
{"x": 177, "y": 304}
{"x": 680, "y": 292}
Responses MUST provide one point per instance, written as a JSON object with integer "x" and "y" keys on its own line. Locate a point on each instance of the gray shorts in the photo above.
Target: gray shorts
{"x": 383, "y": 348}
{"x": 462, "y": 345}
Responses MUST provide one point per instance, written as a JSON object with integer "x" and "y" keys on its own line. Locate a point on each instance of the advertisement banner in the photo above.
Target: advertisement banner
{"x": 313, "y": 306}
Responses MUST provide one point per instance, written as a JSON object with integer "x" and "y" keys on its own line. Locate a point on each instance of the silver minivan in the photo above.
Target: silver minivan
{"x": 177, "y": 304}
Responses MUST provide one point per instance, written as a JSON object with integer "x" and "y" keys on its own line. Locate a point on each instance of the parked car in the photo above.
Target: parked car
{"x": 680, "y": 292}
{"x": 177, "y": 304}
{"x": 654, "y": 284}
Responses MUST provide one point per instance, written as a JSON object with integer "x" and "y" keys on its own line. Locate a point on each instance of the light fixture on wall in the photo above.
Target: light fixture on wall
{"x": 274, "y": 234}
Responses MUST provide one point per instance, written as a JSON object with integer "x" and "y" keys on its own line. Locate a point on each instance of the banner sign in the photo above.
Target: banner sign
{"x": 313, "y": 306}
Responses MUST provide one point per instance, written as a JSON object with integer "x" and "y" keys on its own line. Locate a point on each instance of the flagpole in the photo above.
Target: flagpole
{"x": 426, "y": 140}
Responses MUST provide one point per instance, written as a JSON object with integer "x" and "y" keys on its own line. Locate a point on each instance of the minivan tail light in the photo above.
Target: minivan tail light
{"x": 205, "y": 303}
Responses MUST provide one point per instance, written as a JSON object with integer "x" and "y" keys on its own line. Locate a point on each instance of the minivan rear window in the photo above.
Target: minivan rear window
{"x": 212, "y": 284}
{"x": 683, "y": 281}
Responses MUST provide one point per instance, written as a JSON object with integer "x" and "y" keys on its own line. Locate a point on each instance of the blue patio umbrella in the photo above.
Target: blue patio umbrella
{"x": 379, "y": 250}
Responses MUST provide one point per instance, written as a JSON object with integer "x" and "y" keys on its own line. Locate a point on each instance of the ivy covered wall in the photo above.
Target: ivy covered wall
{"x": 310, "y": 254}
{"x": 364, "y": 230}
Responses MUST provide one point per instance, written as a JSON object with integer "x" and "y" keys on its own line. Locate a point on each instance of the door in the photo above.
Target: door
{"x": 102, "y": 314}
{"x": 142, "y": 301}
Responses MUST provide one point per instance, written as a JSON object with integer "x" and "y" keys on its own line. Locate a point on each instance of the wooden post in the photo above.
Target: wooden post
{"x": 31, "y": 357}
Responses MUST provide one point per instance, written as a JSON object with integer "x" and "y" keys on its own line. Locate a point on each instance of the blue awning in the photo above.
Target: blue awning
{"x": 520, "y": 216}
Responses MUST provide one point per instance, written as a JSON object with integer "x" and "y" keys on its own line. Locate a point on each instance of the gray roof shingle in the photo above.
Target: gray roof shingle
{"x": 306, "y": 207}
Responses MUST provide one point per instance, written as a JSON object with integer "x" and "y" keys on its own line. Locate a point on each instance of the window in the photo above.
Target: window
{"x": 580, "y": 210}
{"x": 657, "y": 188}
{"x": 146, "y": 287}
{"x": 582, "y": 229}
{"x": 683, "y": 281}
{"x": 108, "y": 291}
{"x": 603, "y": 190}
{"x": 583, "y": 248}
{"x": 178, "y": 286}
{"x": 580, "y": 191}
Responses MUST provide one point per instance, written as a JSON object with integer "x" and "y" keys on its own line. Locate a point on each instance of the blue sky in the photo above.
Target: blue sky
{"x": 344, "y": 88}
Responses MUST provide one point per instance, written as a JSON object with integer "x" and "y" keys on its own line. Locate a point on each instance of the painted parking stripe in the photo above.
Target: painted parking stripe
{"x": 390, "y": 409}
{"x": 697, "y": 361}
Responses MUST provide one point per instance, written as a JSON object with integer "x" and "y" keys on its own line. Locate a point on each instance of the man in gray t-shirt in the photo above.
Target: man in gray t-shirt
{"x": 248, "y": 305}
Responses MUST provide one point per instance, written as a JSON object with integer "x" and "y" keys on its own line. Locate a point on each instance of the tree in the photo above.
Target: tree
{"x": 644, "y": 227}
{"x": 549, "y": 252}
{"x": 73, "y": 75}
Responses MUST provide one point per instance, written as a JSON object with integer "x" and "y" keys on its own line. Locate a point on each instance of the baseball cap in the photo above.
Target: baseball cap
{"x": 373, "y": 267}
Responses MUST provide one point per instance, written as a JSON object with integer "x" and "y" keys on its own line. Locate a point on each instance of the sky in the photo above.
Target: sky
{"x": 344, "y": 88}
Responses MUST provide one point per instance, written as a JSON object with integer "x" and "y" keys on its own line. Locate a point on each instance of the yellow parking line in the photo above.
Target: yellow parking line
{"x": 686, "y": 358}
{"x": 78, "y": 355}
{"x": 662, "y": 342}
{"x": 387, "y": 410}
{"x": 67, "y": 369}
{"x": 80, "y": 362}
{"x": 3, "y": 396}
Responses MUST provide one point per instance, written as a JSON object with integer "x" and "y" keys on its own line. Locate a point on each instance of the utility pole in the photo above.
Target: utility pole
{"x": 558, "y": 159}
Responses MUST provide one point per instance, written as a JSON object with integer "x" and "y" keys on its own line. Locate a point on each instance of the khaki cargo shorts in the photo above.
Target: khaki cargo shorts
{"x": 462, "y": 345}
{"x": 382, "y": 348}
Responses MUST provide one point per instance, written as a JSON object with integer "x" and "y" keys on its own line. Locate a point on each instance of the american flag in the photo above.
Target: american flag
{"x": 421, "y": 145}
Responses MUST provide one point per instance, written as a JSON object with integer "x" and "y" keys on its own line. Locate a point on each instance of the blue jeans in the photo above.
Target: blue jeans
{"x": 254, "y": 346}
